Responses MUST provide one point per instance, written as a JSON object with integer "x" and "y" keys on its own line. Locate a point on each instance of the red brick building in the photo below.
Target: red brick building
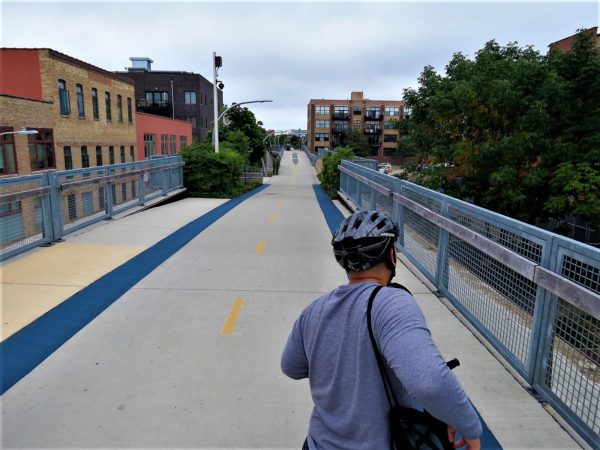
{"x": 157, "y": 135}
{"x": 566, "y": 43}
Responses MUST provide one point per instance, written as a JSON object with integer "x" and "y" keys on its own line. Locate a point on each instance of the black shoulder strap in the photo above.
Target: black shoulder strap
{"x": 387, "y": 385}
{"x": 399, "y": 286}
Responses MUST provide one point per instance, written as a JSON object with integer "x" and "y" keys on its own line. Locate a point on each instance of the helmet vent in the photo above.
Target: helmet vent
{"x": 374, "y": 217}
{"x": 357, "y": 223}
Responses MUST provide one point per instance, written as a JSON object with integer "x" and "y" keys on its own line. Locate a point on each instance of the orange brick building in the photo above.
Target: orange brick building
{"x": 330, "y": 120}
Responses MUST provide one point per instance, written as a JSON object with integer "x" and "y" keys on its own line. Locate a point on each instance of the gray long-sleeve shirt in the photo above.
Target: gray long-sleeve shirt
{"x": 330, "y": 345}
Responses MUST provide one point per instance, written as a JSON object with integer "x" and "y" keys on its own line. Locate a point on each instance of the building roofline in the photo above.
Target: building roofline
{"x": 77, "y": 62}
{"x": 350, "y": 100}
{"x": 163, "y": 117}
{"x": 27, "y": 98}
{"x": 592, "y": 30}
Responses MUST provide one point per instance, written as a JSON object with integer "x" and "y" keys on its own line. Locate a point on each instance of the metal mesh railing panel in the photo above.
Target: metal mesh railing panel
{"x": 21, "y": 224}
{"x": 429, "y": 203}
{"x": 515, "y": 242}
{"x": 82, "y": 204}
{"x": 500, "y": 299}
{"x": 421, "y": 240}
{"x": 572, "y": 368}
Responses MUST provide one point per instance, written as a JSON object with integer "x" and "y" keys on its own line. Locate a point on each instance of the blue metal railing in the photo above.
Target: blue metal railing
{"x": 532, "y": 294}
{"x": 41, "y": 208}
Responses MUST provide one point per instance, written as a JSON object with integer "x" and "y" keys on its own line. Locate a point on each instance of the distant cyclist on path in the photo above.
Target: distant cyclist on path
{"x": 330, "y": 345}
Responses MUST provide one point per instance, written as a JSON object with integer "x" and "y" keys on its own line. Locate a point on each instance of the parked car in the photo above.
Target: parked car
{"x": 384, "y": 168}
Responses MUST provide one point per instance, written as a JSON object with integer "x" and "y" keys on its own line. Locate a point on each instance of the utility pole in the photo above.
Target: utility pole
{"x": 217, "y": 62}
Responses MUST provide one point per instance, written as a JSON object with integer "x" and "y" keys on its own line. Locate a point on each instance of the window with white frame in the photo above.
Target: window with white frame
{"x": 321, "y": 123}
{"x": 322, "y": 109}
{"x": 392, "y": 110}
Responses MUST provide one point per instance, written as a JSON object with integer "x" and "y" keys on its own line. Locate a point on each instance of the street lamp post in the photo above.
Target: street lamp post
{"x": 22, "y": 131}
{"x": 219, "y": 117}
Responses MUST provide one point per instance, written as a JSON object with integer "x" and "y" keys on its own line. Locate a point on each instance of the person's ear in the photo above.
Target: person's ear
{"x": 393, "y": 256}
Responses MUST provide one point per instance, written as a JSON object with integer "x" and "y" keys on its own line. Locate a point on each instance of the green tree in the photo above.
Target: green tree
{"x": 210, "y": 174}
{"x": 357, "y": 142}
{"x": 330, "y": 175}
{"x": 502, "y": 124}
{"x": 243, "y": 120}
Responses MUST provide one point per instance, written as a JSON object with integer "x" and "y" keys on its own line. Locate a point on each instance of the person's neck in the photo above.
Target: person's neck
{"x": 357, "y": 277}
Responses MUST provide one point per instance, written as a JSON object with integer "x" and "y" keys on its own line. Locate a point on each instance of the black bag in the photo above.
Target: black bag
{"x": 410, "y": 429}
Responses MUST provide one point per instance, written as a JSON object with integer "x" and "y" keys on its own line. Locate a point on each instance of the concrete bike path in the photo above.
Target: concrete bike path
{"x": 189, "y": 356}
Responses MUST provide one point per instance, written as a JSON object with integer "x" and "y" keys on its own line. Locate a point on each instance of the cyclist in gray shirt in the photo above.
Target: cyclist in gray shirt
{"x": 330, "y": 345}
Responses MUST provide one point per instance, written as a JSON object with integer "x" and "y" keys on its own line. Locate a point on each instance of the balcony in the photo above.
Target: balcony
{"x": 157, "y": 109}
{"x": 341, "y": 116}
{"x": 373, "y": 116}
{"x": 372, "y": 130}
{"x": 339, "y": 131}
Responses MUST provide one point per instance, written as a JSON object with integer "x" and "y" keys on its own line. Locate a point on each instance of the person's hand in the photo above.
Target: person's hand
{"x": 472, "y": 444}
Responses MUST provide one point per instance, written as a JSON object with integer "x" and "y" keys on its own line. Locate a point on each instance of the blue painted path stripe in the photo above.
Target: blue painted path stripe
{"x": 334, "y": 217}
{"x": 27, "y": 348}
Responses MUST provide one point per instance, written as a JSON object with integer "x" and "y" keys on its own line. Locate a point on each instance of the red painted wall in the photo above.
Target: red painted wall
{"x": 20, "y": 73}
{"x": 158, "y": 125}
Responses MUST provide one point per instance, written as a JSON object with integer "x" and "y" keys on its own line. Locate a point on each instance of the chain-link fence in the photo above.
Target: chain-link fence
{"x": 531, "y": 293}
{"x": 38, "y": 209}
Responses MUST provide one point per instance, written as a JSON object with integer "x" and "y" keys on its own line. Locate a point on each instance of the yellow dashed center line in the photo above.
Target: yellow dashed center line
{"x": 260, "y": 248}
{"x": 229, "y": 324}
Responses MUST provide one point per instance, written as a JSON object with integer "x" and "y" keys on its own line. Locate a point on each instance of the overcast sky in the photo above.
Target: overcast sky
{"x": 290, "y": 52}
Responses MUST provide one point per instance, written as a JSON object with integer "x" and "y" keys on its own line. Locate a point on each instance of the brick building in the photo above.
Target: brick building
{"x": 330, "y": 120}
{"x": 157, "y": 135}
{"x": 84, "y": 115}
{"x": 180, "y": 95}
{"x": 566, "y": 43}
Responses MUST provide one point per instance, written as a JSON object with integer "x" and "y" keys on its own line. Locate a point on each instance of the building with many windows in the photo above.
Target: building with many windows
{"x": 179, "y": 95}
{"x": 330, "y": 120}
{"x": 84, "y": 115}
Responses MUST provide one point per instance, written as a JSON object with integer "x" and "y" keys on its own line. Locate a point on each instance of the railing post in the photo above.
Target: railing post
{"x": 56, "y": 222}
{"x": 398, "y": 213}
{"x": 443, "y": 242}
{"x": 546, "y": 305}
{"x": 48, "y": 227}
{"x": 108, "y": 192}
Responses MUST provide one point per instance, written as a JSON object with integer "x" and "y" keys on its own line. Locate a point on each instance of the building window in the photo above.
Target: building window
{"x": 392, "y": 111}
{"x": 8, "y": 157}
{"x": 119, "y": 108}
{"x": 341, "y": 112}
{"x": 98, "y": 155}
{"x": 406, "y": 113}
{"x": 164, "y": 143}
{"x": 389, "y": 125}
{"x": 357, "y": 110}
{"x": 321, "y": 123}
{"x": 390, "y": 138}
{"x": 122, "y": 153}
{"x": 129, "y": 111}
{"x": 173, "y": 150}
{"x": 132, "y": 153}
{"x": 373, "y": 112}
{"x": 68, "y": 158}
{"x": 111, "y": 155}
{"x": 191, "y": 119}
{"x": 158, "y": 98}
{"x": 63, "y": 98}
{"x": 321, "y": 109}
{"x": 85, "y": 158}
{"x": 80, "y": 108}
{"x": 95, "y": 104}
{"x": 41, "y": 150}
{"x": 341, "y": 125}
{"x": 108, "y": 112}
{"x": 357, "y": 124}
{"x": 182, "y": 142}
{"x": 190, "y": 97}
{"x": 322, "y": 137}
{"x": 149, "y": 145}
{"x": 371, "y": 127}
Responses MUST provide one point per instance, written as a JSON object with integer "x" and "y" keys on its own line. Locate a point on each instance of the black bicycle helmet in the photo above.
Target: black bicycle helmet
{"x": 363, "y": 240}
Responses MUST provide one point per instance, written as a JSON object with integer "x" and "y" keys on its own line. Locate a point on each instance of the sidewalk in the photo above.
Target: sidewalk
{"x": 189, "y": 356}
